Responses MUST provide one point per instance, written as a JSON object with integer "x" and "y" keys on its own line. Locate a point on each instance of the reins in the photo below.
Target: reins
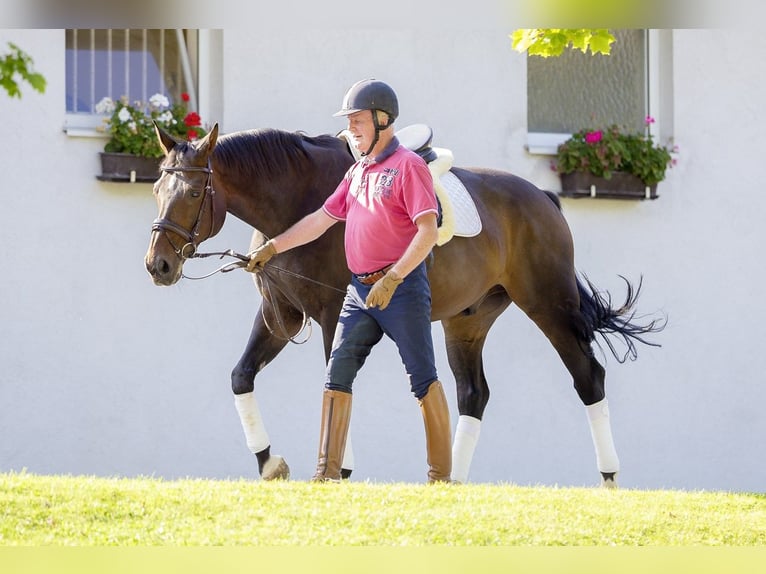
{"x": 305, "y": 321}
{"x": 267, "y": 283}
{"x": 231, "y": 266}
{"x": 242, "y": 263}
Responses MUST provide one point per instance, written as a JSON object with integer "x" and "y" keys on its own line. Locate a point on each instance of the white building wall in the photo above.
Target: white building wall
{"x": 104, "y": 373}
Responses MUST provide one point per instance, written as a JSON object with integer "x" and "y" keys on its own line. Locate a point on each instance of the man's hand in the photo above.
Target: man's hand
{"x": 382, "y": 291}
{"x": 259, "y": 257}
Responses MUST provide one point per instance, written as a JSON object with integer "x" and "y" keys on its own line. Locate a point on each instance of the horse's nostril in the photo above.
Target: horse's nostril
{"x": 157, "y": 267}
{"x": 163, "y": 267}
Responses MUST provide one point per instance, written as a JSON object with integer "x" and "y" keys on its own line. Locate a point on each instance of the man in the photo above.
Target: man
{"x": 388, "y": 203}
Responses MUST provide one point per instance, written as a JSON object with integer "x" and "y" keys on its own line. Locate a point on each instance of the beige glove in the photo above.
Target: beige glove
{"x": 382, "y": 291}
{"x": 259, "y": 256}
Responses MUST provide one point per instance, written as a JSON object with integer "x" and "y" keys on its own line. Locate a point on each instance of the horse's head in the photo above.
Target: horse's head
{"x": 190, "y": 211}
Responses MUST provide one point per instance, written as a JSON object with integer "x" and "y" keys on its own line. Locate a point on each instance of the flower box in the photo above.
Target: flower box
{"x": 133, "y": 152}
{"x": 128, "y": 167}
{"x": 612, "y": 162}
{"x": 620, "y": 186}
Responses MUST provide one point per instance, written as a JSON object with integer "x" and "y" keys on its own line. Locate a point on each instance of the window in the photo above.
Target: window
{"x": 132, "y": 63}
{"x": 576, "y": 90}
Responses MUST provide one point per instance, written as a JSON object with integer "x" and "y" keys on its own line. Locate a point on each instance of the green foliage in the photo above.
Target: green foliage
{"x": 88, "y": 511}
{"x": 18, "y": 64}
{"x": 131, "y": 129}
{"x": 602, "y": 152}
{"x": 548, "y": 42}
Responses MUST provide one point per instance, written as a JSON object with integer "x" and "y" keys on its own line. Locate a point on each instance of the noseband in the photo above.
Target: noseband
{"x": 189, "y": 249}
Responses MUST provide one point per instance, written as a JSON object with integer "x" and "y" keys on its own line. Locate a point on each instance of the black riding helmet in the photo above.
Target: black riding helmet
{"x": 371, "y": 95}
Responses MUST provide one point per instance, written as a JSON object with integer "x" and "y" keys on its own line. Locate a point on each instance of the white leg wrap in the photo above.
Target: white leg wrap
{"x": 252, "y": 423}
{"x": 466, "y": 438}
{"x": 601, "y": 432}
{"x": 348, "y": 454}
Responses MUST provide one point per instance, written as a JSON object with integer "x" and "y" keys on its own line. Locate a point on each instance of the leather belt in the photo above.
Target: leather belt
{"x": 374, "y": 277}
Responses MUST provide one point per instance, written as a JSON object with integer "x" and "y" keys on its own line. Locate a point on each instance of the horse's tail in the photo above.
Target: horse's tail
{"x": 602, "y": 319}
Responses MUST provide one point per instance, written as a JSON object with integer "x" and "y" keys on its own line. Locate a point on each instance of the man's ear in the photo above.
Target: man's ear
{"x": 388, "y": 121}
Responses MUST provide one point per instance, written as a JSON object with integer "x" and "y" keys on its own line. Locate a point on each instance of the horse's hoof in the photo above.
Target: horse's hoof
{"x": 608, "y": 480}
{"x": 275, "y": 468}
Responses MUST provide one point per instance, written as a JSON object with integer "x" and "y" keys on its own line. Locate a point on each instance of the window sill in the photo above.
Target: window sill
{"x": 84, "y": 126}
{"x": 545, "y": 143}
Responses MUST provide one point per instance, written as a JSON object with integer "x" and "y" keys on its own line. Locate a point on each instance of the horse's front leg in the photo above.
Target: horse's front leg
{"x": 261, "y": 349}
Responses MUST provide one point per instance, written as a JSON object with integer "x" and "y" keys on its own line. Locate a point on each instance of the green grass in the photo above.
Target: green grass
{"x": 89, "y": 511}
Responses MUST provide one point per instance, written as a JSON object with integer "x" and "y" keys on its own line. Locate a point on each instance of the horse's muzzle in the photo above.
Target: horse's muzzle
{"x": 163, "y": 273}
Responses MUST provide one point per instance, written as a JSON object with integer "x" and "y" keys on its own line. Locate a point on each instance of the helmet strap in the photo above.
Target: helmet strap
{"x": 378, "y": 127}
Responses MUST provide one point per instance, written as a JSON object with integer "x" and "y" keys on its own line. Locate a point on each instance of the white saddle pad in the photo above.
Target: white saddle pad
{"x": 459, "y": 214}
{"x": 467, "y": 221}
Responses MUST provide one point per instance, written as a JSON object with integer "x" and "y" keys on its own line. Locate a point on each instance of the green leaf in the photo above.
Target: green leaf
{"x": 38, "y": 82}
{"x": 580, "y": 39}
{"x": 547, "y": 42}
{"x": 601, "y": 42}
{"x": 18, "y": 63}
{"x": 522, "y": 39}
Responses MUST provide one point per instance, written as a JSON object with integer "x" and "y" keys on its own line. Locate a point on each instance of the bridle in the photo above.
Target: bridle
{"x": 191, "y": 238}
{"x": 192, "y": 241}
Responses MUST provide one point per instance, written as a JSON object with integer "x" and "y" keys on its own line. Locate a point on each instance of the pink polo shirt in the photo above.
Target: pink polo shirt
{"x": 380, "y": 199}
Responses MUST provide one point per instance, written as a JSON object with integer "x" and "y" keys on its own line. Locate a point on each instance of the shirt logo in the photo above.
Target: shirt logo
{"x": 385, "y": 182}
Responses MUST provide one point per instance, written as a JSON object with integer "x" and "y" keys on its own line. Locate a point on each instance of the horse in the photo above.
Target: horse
{"x": 523, "y": 255}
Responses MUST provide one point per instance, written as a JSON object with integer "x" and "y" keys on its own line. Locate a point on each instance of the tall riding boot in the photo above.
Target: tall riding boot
{"x": 336, "y": 415}
{"x": 438, "y": 433}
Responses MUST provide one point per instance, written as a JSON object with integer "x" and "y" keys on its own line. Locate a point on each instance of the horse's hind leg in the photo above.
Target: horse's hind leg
{"x": 465, "y": 335}
{"x": 588, "y": 375}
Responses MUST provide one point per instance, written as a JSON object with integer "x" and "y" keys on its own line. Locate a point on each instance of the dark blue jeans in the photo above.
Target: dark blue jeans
{"x": 406, "y": 321}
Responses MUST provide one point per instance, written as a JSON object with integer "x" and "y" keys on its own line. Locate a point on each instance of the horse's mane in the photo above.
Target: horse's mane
{"x": 264, "y": 152}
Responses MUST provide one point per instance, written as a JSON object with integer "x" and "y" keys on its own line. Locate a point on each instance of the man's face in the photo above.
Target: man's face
{"x": 362, "y": 128}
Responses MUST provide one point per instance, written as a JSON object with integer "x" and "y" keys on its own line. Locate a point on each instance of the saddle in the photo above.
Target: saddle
{"x": 457, "y": 211}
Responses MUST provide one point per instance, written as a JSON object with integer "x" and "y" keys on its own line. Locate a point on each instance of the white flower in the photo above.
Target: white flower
{"x": 105, "y": 106}
{"x": 159, "y": 101}
{"x": 124, "y": 115}
{"x": 165, "y": 117}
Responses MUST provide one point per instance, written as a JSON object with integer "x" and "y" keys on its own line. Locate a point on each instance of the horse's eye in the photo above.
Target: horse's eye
{"x": 195, "y": 193}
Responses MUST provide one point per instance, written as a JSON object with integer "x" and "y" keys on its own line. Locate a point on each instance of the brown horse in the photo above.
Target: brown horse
{"x": 523, "y": 255}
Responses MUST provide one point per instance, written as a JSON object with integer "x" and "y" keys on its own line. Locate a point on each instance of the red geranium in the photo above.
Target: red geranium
{"x": 130, "y": 125}
{"x": 192, "y": 119}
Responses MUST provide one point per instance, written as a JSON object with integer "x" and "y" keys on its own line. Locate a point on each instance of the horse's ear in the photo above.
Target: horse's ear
{"x": 207, "y": 143}
{"x": 167, "y": 142}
